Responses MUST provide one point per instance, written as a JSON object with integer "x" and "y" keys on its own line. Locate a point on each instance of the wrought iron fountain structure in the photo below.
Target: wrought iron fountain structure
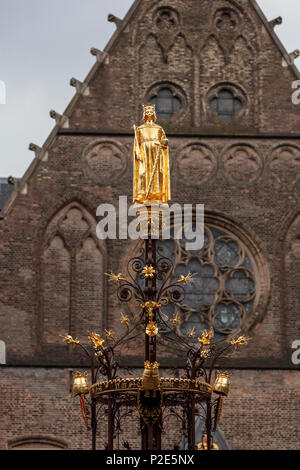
{"x": 148, "y": 284}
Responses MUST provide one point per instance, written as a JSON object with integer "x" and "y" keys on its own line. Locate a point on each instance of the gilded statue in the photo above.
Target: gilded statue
{"x": 151, "y": 175}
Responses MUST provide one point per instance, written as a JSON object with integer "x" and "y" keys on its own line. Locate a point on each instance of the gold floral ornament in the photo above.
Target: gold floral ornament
{"x": 69, "y": 340}
{"x": 186, "y": 279}
{"x": 176, "y": 319}
{"x": 96, "y": 340}
{"x": 205, "y": 338}
{"x": 151, "y": 329}
{"x": 241, "y": 341}
{"x": 115, "y": 277}
{"x": 148, "y": 271}
{"x": 205, "y": 353}
{"x": 124, "y": 320}
{"x": 151, "y": 305}
{"x": 110, "y": 335}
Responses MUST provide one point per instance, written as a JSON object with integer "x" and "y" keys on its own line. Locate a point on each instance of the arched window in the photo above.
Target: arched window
{"x": 166, "y": 103}
{"x": 2, "y": 352}
{"x": 37, "y": 443}
{"x": 72, "y": 281}
{"x": 226, "y": 105}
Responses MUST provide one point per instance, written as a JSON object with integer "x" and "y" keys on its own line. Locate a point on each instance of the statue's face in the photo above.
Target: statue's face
{"x": 149, "y": 114}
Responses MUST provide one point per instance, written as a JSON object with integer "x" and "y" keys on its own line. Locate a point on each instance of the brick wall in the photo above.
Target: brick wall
{"x": 245, "y": 172}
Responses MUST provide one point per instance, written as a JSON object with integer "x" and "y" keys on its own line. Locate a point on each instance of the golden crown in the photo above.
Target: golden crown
{"x": 151, "y": 365}
{"x": 148, "y": 105}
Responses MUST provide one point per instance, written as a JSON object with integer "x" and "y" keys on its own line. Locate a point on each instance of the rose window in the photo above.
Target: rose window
{"x": 222, "y": 295}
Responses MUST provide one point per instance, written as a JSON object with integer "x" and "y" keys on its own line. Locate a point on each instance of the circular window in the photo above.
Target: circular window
{"x": 226, "y": 105}
{"x": 166, "y": 104}
{"x": 226, "y": 102}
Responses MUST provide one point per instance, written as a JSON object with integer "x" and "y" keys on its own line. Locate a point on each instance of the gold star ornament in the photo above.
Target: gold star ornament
{"x": 148, "y": 271}
{"x": 110, "y": 335}
{"x": 176, "y": 319}
{"x": 115, "y": 277}
{"x": 192, "y": 333}
{"x": 124, "y": 320}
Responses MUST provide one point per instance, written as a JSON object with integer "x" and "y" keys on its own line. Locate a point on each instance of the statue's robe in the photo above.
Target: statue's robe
{"x": 145, "y": 154}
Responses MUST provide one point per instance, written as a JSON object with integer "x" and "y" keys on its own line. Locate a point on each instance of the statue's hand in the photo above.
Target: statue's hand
{"x": 164, "y": 143}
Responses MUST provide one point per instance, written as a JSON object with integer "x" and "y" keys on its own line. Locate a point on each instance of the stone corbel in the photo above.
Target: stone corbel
{"x": 100, "y": 55}
{"x": 294, "y": 55}
{"x": 81, "y": 88}
{"x": 14, "y": 181}
{"x": 40, "y": 153}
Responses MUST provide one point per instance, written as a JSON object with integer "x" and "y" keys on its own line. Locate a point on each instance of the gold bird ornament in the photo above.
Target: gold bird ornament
{"x": 241, "y": 341}
{"x": 186, "y": 279}
{"x": 69, "y": 340}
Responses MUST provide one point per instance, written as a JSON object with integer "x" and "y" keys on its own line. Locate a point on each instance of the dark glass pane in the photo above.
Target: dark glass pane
{"x": 225, "y": 106}
{"x": 194, "y": 321}
{"x": 164, "y": 115}
{"x": 239, "y": 286}
{"x": 227, "y": 317}
{"x": 176, "y": 104}
{"x": 165, "y": 93}
{"x": 226, "y": 253}
{"x": 225, "y": 95}
{"x": 201, "y": 292}
{"x": 165, "y": 105}
{"x": 237, "y": 105}
{"x": 214, "y": 105}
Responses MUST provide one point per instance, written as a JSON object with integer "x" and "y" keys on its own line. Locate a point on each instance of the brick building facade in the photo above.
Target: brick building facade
{"x": 222, "y": 84}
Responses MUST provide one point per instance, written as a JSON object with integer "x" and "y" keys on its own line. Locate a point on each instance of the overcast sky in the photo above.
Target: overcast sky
{"x": 43, "y": 43}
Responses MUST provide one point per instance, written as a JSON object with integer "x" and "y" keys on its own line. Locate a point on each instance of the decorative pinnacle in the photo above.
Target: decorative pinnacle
{"x": 294, "y": 55}
{"x": 114, "y": 19}
{"x": 100, "y": 55}
{"x": 276, "y": 22}
{"x": 81, "y": 88}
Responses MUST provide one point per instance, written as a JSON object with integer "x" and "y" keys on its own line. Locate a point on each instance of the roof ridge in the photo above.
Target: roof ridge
{"x": 275, "y": 38}
{"x": 79, "y": 91}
